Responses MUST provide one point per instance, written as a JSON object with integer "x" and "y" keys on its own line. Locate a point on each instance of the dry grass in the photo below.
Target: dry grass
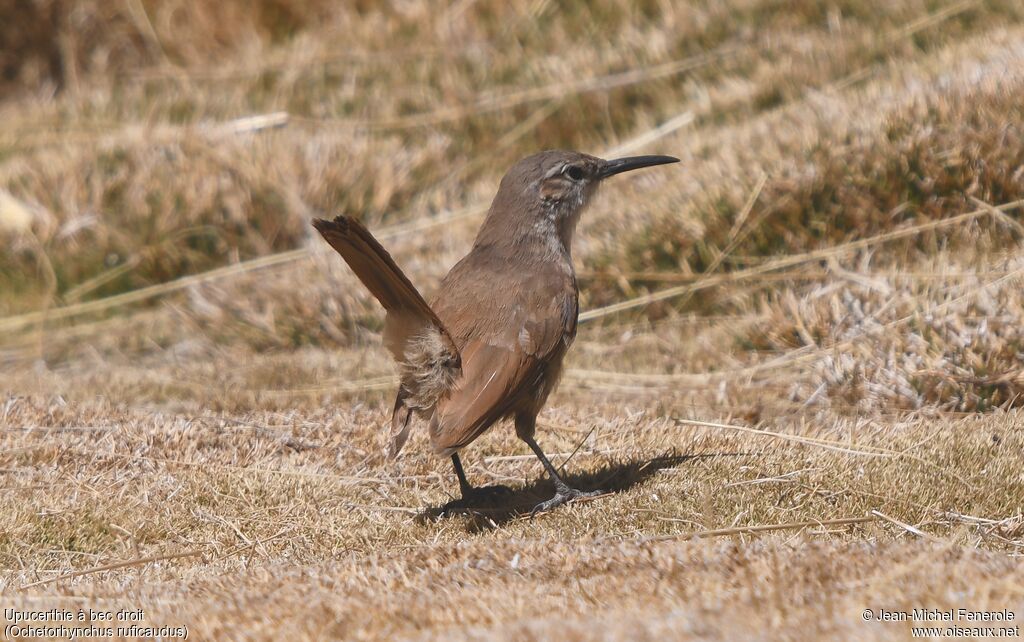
{"x": 799, "y": 374}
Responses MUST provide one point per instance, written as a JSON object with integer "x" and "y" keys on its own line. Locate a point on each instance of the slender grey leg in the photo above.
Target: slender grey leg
{"x": 472, "y": 493}
{"x": 464, "y": 484}
{"x": 560, "y": 485}
{"x": 525, "y": 425}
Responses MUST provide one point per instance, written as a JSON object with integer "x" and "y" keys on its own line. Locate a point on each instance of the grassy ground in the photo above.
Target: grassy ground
{"x": 798, "y": 375}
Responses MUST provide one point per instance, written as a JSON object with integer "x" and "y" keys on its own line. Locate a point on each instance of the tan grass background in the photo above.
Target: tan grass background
{"x": 799, "y": 373}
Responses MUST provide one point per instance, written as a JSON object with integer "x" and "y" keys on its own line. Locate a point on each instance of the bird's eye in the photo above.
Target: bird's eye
{"x": 574, "y": 172}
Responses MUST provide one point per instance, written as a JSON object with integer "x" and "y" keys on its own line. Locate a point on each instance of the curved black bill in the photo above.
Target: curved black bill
{"x": 620, "y": 165}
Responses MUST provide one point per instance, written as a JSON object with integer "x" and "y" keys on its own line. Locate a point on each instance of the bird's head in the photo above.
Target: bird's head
{"x": 545, "y": 193}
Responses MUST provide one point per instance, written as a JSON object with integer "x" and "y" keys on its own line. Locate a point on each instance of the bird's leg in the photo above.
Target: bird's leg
{"x": 470, "y": 493}
{"x": 525, "y": 426}
{"x": 464, "y": 484}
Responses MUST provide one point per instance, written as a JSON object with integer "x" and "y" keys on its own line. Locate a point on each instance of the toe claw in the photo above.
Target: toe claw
{"x": 563, "y": 496}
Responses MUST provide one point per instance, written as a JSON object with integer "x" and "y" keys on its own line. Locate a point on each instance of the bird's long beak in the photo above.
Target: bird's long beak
{"x": 620, "y": 165}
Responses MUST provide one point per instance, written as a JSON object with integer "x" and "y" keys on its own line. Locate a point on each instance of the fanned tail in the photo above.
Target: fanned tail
{"x": 419, "y": 342}
{"x": 374, "y": 266}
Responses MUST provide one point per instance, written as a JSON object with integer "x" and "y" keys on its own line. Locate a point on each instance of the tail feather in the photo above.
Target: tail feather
{"x": 399, "y": 424}
{"x": 427, "y": 357}
{"x": 373, "y": 265}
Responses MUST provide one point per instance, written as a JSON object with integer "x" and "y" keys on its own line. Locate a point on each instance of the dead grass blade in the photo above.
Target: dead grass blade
{"x": 17, "y": 322}
{"x": 931, "y": 19}
{"x": 116, "y": 565}
{"x": 385, "y": 382}
{"x": 764, "y": 528}
{"x": 828, "y": 444}
{"x": 907, "y": 527}
{"x": 515, "y": 98}
{"x": 646, "y": 138}
{"x": 835, "y": 446}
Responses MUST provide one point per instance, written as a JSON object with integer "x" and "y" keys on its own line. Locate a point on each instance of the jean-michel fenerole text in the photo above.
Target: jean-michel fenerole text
{"x": 945, "y": 615}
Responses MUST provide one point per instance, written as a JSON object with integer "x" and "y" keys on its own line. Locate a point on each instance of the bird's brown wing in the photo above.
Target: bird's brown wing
{"x": 503, "y": 371}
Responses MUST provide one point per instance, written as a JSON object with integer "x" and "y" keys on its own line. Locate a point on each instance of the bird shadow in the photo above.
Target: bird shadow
{"x": 612, "y": 478}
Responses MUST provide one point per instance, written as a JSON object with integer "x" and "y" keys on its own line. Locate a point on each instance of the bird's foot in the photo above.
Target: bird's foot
{"x": 476, "y": 496}
{"x": 563, "y": 495}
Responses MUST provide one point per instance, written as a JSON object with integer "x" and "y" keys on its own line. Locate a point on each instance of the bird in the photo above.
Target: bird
{"x": 491, "y": 342}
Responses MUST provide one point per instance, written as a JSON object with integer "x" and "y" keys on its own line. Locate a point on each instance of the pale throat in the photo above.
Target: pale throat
{"x": 556, "y": 226}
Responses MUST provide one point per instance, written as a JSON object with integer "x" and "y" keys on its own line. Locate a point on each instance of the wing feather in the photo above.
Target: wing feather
{"x": 502, "y": 370}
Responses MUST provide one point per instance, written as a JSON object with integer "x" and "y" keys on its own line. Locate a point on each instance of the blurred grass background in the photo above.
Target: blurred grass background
{"x": 392, "y": 132}
{"x": 815, "y": 318}
{"x": 129, "y": 159}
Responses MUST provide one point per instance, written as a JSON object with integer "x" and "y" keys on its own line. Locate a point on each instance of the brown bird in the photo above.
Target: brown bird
{"x": 490, "y": 344}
